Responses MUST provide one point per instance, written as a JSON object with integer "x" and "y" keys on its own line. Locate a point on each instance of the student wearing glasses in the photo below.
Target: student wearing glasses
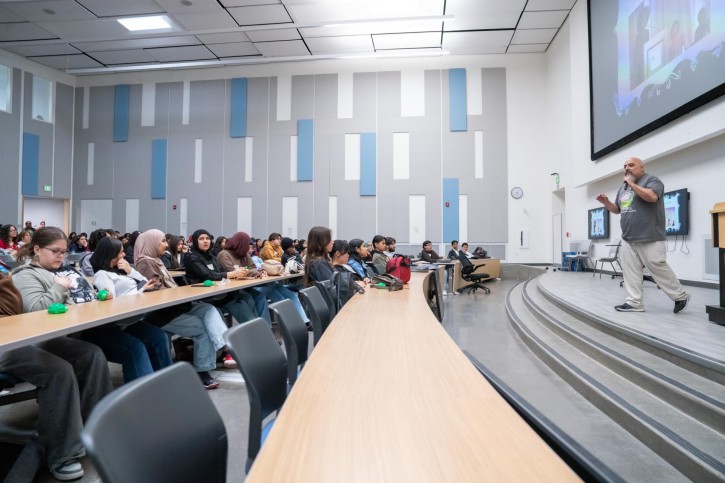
{"x": 358, "y": 251}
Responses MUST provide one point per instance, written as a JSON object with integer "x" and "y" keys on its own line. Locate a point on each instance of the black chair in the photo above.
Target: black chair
{"x": 264, "y": 367}
{"x": 161, "y": 427}
{"x": 613, "y": 257}
{"x": 468, "y": 273}
{"x": 324, "y": 287}
{"x": 19, "y": 390}
{"x": 317, "y": 309}
{"x": 294, "y": 334}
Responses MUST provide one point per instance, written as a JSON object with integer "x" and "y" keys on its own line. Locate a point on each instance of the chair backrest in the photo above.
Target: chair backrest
{"x": 324, "y": 287}
{"x": 614, "y": 251}
{"x": 161, "y": 427}
{"x": 466, "y": 265}
{"x": 317, "y": 309}
{"x": 294, "y": 333}
{"x": 264, "y": 367}
{"x": 584, "y": 249}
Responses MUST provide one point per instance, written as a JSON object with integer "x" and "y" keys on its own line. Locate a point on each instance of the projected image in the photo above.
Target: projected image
{"x": 598, "y": 223}
{"x": 649, "y": 60}
{"x": 676, "y": 213}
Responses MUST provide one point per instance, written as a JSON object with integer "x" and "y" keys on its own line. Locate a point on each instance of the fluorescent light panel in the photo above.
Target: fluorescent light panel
{"x": 154, "y": 22}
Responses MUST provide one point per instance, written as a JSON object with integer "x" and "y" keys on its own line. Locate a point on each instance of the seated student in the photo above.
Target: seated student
{"x": 318, "y": 266}
{"x": 272, "y": 249}
{"x": 464, "y": 250}
{"x": 84, "y": 263}
{"x": 479, "y": 252}
{"x": 358, "y": 251}
{"x": 46, "y": 281}
{"x": 24, "y": 237}
{"x": 201, "y": 265}
{"x": 428, "y": 254}
{"x": 71, "y": 376}
{"x": 113, "y": 273}
{"x": 80, "y": 245}
{"x": 390, "y": 244}
{"x": 237, "y": 253}
{"x": 129, "y": 247}
{"x": 340, "y": 256}
{"x": 258, "y": 245}
{"x": 301, "y": 248}
{"x": 218, "y": 245}
{"x": 453, "y": 253}
{"x": 289, "y": 251}
{"x": 198, "y": 321}
{"x": 8, "y": 235}
{"x": 175, "y": 255}
{"x": 380, "y": 259}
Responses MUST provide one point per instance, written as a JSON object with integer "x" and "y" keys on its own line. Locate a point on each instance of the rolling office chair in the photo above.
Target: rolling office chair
{"x": 294, "y": 333}
{"x": 613, "y": 257}
{"x": 264, "y": 367}
{"x": 161, "y": 427}
{"x": 468, "y": 273}
{"x": 317, "y": 309}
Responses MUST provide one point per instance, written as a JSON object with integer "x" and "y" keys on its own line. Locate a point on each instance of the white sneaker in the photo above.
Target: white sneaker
{"x": 70, "y": 470}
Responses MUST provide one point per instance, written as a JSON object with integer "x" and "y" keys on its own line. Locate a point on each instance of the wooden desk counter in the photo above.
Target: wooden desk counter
{"x": 388, "y": 396}
{"x": 492, "y": 266}
{"x": 34, "y": 327}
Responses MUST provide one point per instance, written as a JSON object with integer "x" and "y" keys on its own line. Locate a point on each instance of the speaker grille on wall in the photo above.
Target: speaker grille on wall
{"x": 710, "y": 266}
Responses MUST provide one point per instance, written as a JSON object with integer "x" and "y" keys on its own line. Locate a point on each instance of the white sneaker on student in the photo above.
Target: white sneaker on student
{"x": 70, "y": 470}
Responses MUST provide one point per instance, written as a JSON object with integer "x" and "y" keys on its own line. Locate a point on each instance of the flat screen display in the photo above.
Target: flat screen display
{"x": 598, "y": 223}
{"x": 650, "y": 62}
{"x": 677, "y": 221}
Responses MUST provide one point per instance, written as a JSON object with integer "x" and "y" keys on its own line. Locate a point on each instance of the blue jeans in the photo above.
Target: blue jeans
{"x": 141, "y": 348}
{"x": 204, "y": 325}
{"x": 275, "y": 292}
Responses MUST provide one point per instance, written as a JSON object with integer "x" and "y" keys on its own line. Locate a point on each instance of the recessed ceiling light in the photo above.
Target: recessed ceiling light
{"x": 49, "y": 11}
{"x": 156, "y": 22}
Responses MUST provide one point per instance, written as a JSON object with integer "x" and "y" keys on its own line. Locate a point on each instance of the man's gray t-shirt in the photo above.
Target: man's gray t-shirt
{"x": 641, "y": 220}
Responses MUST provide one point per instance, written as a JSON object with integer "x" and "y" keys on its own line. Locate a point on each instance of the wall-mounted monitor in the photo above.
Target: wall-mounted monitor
{"x": 598, "y": 224}
{"x": 677, "y": 219}
{"x": 650, "y": 62}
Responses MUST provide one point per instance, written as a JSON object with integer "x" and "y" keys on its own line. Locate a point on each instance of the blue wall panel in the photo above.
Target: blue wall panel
{"x": 457, "y": 96}
{"x": 120, "y": 113}
{"x": 239, "y": 108}
{"x": 31, "y": 160}
{"x": 158, "y": 169}
{"x": 305, "y": 149}
{"x": 368, "y": 171}
{"x": 450, "y": 213}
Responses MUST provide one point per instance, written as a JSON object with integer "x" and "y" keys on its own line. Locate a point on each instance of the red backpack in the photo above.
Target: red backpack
{"x": 399, "y": 266}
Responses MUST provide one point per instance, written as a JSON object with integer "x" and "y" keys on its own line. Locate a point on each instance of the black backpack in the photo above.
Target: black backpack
{"x": 343, "y": 287}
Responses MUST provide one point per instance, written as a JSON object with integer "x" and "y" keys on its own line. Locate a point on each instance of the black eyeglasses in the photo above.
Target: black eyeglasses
{"x": 56, "y": 251}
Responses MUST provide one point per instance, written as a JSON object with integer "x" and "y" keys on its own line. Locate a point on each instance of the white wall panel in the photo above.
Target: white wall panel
{"x": 86, "y": 106}
{"x": 91, "y": 163}
{"x": 416, "y": 206}
{"x": 412, "y": 93}
{"x": 284, "y": 97}
{"x": 185, "y": 101}
{"x": 132, "y": 215}
{"x": 289, "y": 216}
{"x": 401, "y": 155}
{"x": 184, "y": 217}
{"x": 352, "y": 157}
{"x": 248, "y": 158}
{"x": 344, "y": 95}
{"x": 474, "y": 101}
{"x": 198, "y": 148}
{"x": 332, "y": 219}
{"x": 148, "y": 103}
{"x": 478, "y": 154}
{"x": 293, "y": 158}
{"x": 96, "y": 214}
{"x": 244, "y": 214}
{"x": 463, "y": 218}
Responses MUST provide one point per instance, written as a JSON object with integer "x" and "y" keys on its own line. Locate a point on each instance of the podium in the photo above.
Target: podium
{"x": 717, "y": 313}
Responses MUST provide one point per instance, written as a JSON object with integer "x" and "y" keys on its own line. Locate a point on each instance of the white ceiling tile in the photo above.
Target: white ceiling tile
{"x": 43, "y": 49}
{"x": 483, "y": 22}
{"x": 260, "y": 15}
{"x": 329, "y": 11}
{"x": 223, "y": 38}
{"x": 273, "y": 35}
{"x": 62, "y": 62}
{"x": 118, "y": 8}
{"x": 176, "y": 6}
{"x": 247, "y": 3}
{"x": 239, "y": 49}
{"x": 372, "y": 28}
{"x": 205, "y": 20}
{"x": 549, "y": 5}
{"x": 6, "y": 16}
{"x": 100, "y": 29}
{"x": 176, "y": 54}
{"x": 23, "y": 31}
{"x": 489, "y": 42}
{"x": 526, "y": 48}
{"x": 114, "y": 57}
{"x": 542, "y": 20}
{"x": 407, "y": 41}
{"x": 340, "y": 45}
{"x": 41, "y": 11}
{"x": 286, "y": 48}
{"x": 461, "y": 9}
{"x": 534, "y": 36}
{"x": 137, "y": 43}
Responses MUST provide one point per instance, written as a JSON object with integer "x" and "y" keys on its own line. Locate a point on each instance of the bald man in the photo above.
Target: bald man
{"x": 639, "y": 201}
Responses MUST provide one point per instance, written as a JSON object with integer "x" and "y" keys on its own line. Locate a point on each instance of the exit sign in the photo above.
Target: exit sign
{"x": 46, "y": 188}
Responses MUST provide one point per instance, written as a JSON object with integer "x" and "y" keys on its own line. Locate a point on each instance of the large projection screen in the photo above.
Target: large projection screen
{"x": 650, "y": 62}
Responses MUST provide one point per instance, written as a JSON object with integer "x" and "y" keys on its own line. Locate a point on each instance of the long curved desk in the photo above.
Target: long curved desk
{"x": 388, "y": 396}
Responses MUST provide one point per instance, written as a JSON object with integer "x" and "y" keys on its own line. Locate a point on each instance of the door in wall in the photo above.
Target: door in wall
{"x": 95, "y": 214}
{"x": 53, "y": 211}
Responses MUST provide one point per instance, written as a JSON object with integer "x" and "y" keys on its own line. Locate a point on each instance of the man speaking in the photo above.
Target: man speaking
{"x": 639, "y": 201}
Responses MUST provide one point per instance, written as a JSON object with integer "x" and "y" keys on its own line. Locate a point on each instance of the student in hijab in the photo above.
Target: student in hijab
{"x": 199, "y": 321}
